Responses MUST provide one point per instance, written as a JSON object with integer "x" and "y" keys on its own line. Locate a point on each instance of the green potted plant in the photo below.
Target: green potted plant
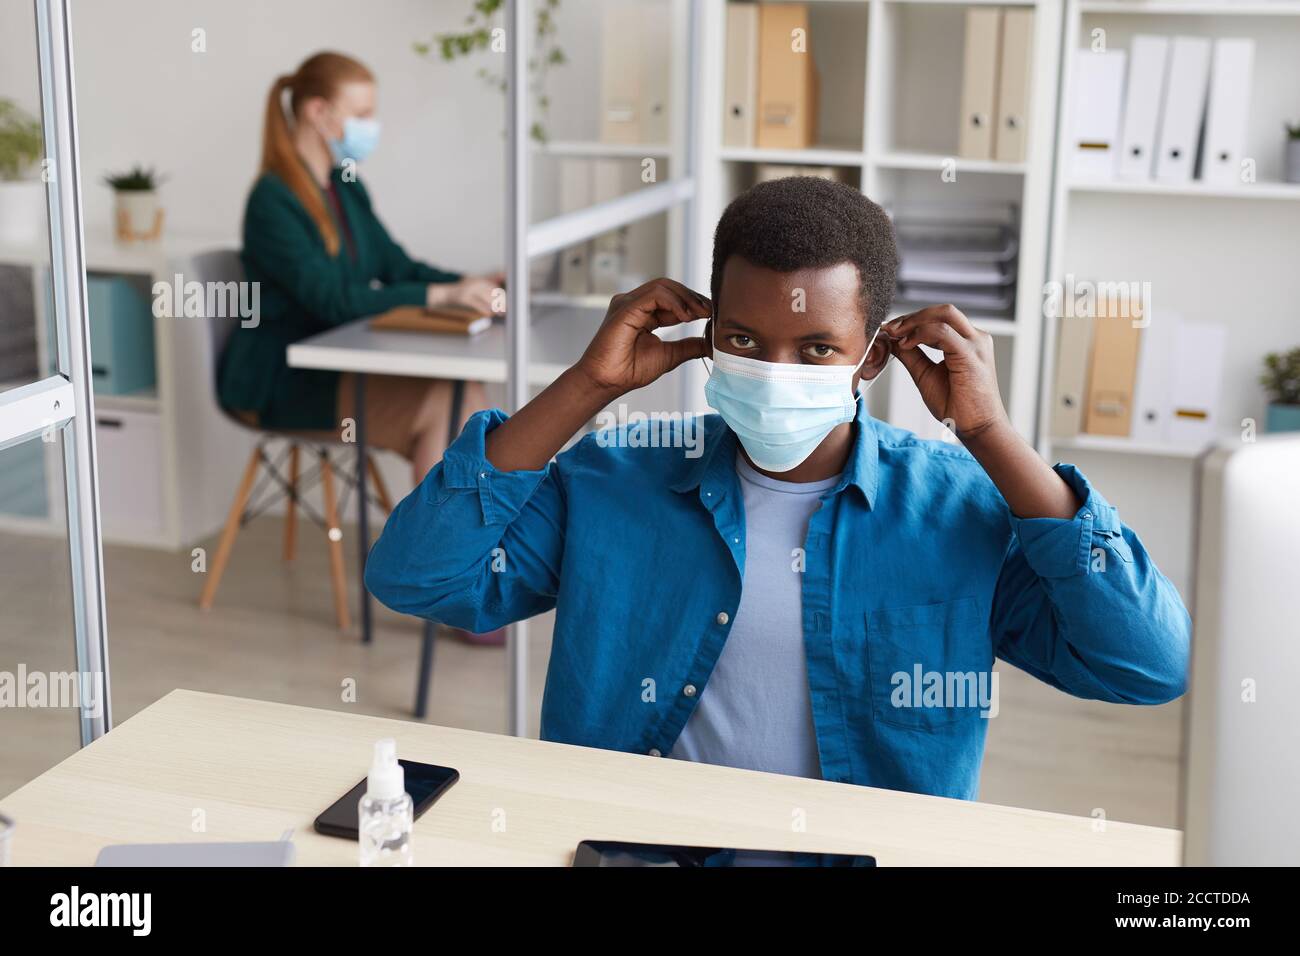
{"x": 137, "y": 214}
{"x": 1281, "y": 379}
{"x": 22, "y": 194}
{"x": 478, "y": 37}
{"x": 1291, "y": 158}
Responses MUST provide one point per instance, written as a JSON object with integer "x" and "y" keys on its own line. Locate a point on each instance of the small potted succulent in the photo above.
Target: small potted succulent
{"x": 1281, "y": 379}
{"x": 1291, "y": 158}
{"x": 22, "y": 194}
{"x": 137, "y": 214}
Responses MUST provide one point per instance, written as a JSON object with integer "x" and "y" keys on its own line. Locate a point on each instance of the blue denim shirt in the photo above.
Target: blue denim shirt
{"x": 913, "y": 565}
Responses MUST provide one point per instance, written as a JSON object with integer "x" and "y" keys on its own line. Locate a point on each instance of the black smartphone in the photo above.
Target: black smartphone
{"x": 610, "y": 853}
{"x": 424, "y": 782}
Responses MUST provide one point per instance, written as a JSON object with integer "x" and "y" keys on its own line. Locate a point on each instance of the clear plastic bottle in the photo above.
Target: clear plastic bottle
{"x": 386, "y": 813}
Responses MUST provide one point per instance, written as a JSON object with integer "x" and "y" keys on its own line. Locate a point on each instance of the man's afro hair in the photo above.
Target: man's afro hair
{"x": 803, "y": 222}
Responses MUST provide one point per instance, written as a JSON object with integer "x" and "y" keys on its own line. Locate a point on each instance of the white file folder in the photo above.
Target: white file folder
{"x": 622, "y": 52}
{"x": 741, "y": 95}
{"x": 1148, "y": 67}
{"x": 1227, "y": 111}
{"x": 1098, "y": 84}
{"x": 1180, "y": 122}
{"x": 979, "y": 82}
{"x": 575, "y": 193}
{"x": 1013, "y": 84}
{"x": 635, "y": 45}
{"x": 1195, "y": 378}
{"x": 656, "y": 42}
{"x": 1152, "y": 390}
{"x": 607, "y": 178}
{"x": 1073, "y": 353}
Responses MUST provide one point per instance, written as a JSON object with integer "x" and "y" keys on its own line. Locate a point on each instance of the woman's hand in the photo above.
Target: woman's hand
{"x": 626, "y": 354}
{"x": 962, "y": 390}
{"x": 473, "y": 292}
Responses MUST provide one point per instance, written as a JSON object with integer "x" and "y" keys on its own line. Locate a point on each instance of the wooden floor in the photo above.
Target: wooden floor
{"x": 271, "y": 636}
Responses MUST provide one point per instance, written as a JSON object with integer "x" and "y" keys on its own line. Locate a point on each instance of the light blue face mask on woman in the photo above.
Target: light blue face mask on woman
{"x": 781, "y": 412}
{"x": 359, "y": 139}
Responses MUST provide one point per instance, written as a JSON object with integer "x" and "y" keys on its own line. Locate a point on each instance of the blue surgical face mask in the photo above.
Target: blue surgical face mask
{"x": 781, "y": 412}
{"x": 359, "y": 139}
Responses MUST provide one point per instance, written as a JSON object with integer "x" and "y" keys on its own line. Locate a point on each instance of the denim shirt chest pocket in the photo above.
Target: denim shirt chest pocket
{"x": 908, "y": 646}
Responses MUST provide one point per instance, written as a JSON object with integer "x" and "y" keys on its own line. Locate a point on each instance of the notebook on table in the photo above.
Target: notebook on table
{"x": 451, "y": 319}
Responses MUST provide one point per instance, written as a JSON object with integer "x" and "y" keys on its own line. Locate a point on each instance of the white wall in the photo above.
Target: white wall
{"x": 144, "y": 96}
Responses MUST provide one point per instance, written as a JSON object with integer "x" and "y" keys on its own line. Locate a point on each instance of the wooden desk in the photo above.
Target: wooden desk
{"x": 255, "y": 769}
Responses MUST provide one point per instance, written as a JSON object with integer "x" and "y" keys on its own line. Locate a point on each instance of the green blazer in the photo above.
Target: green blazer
{"x": 304, "y": 290}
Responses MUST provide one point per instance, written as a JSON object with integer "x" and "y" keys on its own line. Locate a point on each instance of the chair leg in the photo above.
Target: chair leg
{"x": 228, "y": 533}
{"x": 291, "y": 515}
{"x": 381, "y": 489}
{"x": 335, "y": 535}
{"x": 425, "y": 676}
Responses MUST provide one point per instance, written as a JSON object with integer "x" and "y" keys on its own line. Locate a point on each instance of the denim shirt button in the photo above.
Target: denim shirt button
{"x": 689, "y": 690}
{"x": 654, "y": 752}
{"x": 723, "y": 617}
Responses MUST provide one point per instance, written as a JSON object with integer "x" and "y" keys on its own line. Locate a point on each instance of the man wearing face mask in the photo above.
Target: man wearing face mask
{"x": 817, "y": 593}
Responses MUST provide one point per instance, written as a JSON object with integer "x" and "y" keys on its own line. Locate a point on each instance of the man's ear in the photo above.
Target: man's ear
{"x": 877, "y": 355}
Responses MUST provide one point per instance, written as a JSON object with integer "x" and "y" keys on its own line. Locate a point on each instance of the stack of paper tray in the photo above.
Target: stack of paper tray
{"x": 964, "y": 254}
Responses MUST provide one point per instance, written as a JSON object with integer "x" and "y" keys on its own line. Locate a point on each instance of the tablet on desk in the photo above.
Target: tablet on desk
{"x": 609, "y": 853}
{"x": 277, "y": 853}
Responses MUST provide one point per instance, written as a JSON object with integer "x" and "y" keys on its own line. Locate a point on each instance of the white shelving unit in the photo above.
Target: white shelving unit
{"x": 530, "y": 235}
{"x": 167, "y": 458}
{"x": 890, "y": 73}
{"x": 1211, "y": 253}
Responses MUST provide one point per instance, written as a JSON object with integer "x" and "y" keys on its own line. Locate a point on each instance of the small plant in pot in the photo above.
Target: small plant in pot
{"x": 1291, "y": 158}
{"x": 1281, "y": 379}
{"x": 137, "y": 213}
{"x": 22, "y": 193}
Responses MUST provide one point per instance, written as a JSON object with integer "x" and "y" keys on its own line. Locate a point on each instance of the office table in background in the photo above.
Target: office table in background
{"x": 559, "y": 336}
{"x": 256, "y": 769}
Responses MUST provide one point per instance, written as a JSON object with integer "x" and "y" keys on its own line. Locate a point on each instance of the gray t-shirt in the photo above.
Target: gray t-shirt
{"x": 755, "y": 712}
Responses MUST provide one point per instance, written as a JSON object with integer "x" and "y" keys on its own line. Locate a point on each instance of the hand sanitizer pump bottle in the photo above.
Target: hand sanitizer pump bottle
{"x": 386, "y": 814}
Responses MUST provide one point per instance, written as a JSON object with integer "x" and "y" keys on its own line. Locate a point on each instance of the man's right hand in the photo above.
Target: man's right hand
{"x": 625, "y": 354}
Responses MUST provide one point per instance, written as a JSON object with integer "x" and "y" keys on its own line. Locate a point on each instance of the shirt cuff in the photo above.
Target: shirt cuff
{"x": 1063, "y": 547}
{"x": 465, "y": 467}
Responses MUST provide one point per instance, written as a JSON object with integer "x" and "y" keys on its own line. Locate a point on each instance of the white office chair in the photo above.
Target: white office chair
{"x": 251, "y": 497}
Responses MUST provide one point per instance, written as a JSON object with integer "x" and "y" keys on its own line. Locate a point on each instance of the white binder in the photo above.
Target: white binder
{"x": 1195, "y": 377}
{"x": 575, "y": 193}
{"x": 1180, "y": 123}
{"x": 607, "y": 182}
{"x": 979, "y": 89}
{"x": 635, "y": 44}
{"x": 741, "y": 95}
{"x": 1073, "y": 353}
{"x": 1148, "y": 67}
{"x": 1014, "y": 81}
{"x": 1098, "y": 84}
{"x": 1227, "y": 111}
{"x": 656, "y": 40}
{"x": 1152, "y": 390}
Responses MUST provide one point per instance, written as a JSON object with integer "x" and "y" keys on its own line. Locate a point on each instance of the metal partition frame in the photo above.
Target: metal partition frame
{"x": 67, "y": 259}
{"x": 525, "y": 240}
